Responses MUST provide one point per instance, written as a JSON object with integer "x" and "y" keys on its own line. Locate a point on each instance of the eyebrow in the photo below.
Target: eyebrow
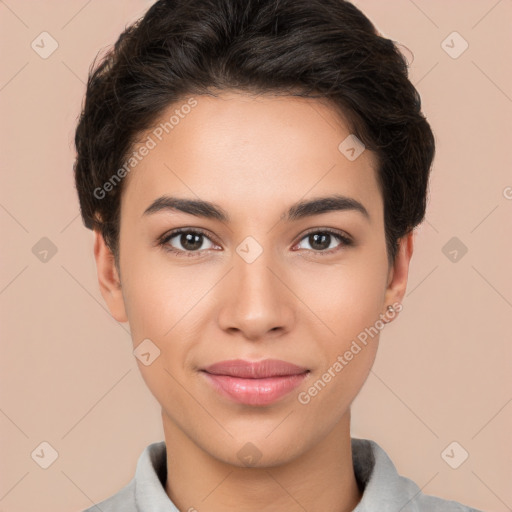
{"x": 296, "y": 212}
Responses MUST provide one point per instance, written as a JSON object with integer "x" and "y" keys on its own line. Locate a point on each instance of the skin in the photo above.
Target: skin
{"x": 254, "y": 157}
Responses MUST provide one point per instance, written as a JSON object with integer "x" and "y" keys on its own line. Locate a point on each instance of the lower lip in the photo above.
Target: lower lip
{"x": 255, "y": 391}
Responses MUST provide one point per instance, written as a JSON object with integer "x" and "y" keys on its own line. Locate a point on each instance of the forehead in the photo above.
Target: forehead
{"x": 256, "y": 152}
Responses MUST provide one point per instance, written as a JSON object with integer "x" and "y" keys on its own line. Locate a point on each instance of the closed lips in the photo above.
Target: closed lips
{"x": 255, "y": 370}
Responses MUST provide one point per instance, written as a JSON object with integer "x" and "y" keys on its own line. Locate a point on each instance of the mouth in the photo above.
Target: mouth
{"x": 254, "y": 383}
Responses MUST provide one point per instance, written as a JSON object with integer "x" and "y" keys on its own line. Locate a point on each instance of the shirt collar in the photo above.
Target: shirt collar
{"x": 374, "y": 471}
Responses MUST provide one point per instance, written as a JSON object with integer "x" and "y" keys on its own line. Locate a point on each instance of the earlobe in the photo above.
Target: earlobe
{"x": 399, "y": 274}
{"x": 108, "y": 278}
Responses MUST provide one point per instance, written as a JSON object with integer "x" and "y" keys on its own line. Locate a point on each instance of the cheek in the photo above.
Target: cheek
{"x": 158, "y": 297}
{"x": 167, "y": 305}
{"x": 346, "y": 298}
{"x": 159, "y": 304}
{"x": 349, "y": 305}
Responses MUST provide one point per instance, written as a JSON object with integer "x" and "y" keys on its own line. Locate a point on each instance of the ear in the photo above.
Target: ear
{"x": 398, "y": 275}
{"x": 108, "y": 278}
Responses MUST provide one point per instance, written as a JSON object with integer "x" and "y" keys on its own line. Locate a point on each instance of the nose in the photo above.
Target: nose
{"x": 256, "y": 300}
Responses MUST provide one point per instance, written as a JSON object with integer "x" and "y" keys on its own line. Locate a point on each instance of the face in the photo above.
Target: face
{"x": 262, "y": 272}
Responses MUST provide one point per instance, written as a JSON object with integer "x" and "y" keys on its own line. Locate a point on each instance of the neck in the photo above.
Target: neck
{"x": 321, "y": 479}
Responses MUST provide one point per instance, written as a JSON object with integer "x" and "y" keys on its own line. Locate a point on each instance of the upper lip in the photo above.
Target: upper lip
{"x": 255, "y": 369}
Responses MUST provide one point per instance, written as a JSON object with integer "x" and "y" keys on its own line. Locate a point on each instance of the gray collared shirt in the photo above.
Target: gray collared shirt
{"x": 384, "y": 490}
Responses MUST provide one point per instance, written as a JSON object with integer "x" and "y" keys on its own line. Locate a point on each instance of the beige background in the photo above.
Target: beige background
{"x": 443, "y": 371}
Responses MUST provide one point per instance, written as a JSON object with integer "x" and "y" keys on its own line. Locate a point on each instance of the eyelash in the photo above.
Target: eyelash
{"x": 164, "y": 239}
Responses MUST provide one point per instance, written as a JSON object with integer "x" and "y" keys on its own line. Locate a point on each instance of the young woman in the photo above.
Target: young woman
{"x": 253, "y": 171}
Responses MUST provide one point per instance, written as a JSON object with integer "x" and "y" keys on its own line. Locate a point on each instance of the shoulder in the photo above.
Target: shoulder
{"x": 384, "y": 490}
{"x": 435, "y": 504}
{"x": 123, "y": 500}
{"x": 145, "y": 491}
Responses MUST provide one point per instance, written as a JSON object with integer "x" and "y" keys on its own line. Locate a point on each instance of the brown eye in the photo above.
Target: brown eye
{"x": 190, "y": 241}
{"x": 186, "y": 242}
{"x": 320, "y": 241}
{"x": 325, "y": 241}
